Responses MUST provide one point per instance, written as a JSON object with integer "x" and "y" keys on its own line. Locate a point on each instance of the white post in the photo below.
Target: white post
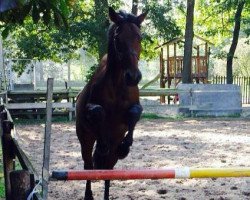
{"x": 34, "y": 63}
{"x": 1, "y": 65}
{"x": 10, "y": 78}
{"x": 47, "y": 139}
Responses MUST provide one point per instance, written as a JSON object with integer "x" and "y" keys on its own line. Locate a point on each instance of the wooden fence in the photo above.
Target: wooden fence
{"x": 18, "y": 183}
{"x": 243, "y": 82}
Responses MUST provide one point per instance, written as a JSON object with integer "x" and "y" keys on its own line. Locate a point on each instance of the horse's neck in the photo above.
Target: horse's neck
{"x": 114, "y": 71}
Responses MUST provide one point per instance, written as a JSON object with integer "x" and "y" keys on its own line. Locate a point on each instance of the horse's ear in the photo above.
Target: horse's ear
{"x": 114, "y": 17}
{"x": 141, "y": 17}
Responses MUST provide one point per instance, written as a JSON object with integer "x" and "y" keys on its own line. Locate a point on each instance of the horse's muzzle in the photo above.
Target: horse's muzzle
{"x": 132, "y": 78}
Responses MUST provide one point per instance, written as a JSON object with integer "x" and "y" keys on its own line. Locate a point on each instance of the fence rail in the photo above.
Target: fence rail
{"x": 18, "y": 183}
{"x": 243, "y": 82}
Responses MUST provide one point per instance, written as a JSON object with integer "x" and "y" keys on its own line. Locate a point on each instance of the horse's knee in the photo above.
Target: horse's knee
{"x": 95, "y": 114}
{"x": 134, "y": 114}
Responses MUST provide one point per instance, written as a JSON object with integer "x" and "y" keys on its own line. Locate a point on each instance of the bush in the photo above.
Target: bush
{"x": 90, "y": 72}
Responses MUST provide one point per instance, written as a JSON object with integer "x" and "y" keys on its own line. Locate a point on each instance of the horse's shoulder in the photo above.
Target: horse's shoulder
{"x": 100, "y": 71}
{"x": 103, "y": 62}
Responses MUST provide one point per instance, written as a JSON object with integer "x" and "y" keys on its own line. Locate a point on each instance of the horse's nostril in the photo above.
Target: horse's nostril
{"x": 133, "y": 78}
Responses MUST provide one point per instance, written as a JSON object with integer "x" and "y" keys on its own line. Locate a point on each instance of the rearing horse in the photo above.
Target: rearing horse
{"x": 108, "y": 108}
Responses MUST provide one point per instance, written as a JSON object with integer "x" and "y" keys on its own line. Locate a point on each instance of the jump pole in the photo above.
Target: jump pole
{"x": 183, "y": 173}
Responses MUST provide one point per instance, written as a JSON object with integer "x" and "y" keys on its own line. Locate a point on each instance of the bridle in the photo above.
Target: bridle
{"x": 120, "y": 54}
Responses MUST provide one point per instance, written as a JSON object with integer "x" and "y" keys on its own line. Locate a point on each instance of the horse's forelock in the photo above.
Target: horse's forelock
{"x": 126, "y": 18}
{"x": 129, "y": 18}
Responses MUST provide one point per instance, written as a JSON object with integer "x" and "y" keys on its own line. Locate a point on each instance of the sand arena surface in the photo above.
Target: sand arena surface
{"x": 157, "y": 144}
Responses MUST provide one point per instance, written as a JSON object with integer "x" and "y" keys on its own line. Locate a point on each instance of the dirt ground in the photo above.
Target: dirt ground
{"x": 157, "y": 144}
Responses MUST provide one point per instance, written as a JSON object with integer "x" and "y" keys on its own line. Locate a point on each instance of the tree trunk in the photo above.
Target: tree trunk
{"x": 230, "y": 55}
{"x": 101, "y": 14}
{"x": 135, "y": 7}
{"x": 189, "y": 34}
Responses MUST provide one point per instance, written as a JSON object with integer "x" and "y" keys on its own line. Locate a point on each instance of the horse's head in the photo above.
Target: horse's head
{"x": 126, "y": 43}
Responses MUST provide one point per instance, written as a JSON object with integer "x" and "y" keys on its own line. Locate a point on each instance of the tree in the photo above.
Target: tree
{"x": 230, "y": 55}
{"x": 135, "y": 7}
{"x": 188, "y": 46}
{"x": 14, "y": 12}
{"x": 87, "y": 28}
{"x": 101, "y": 17}
{"x": 215, "y": 20}
{"x": 159, "y": 26}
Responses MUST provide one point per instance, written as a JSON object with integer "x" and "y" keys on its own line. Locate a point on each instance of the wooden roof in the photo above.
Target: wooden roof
{"x": 176, "y": 40}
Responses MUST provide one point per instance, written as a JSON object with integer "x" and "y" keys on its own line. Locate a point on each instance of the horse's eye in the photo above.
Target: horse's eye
{"x": 118, "y": 44}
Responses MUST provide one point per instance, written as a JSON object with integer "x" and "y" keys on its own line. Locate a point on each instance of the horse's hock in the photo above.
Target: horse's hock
{"x": 210, "y": 100}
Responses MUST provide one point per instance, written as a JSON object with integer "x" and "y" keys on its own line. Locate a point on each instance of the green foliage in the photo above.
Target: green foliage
{"x": 90, "y": 72}
{"x": 16, "y": 11}
{"x": 165, "y": 21}
{"x": 161, "y": 20}
{"x": 86, "y": 29}
{"x": 215, "y": 19}
{"x": 159, "y": 27}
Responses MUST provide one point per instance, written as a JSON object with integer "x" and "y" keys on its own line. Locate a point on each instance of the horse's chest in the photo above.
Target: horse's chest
{"x": 116, "y": 103}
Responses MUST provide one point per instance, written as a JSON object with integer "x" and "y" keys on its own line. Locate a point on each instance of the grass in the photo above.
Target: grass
{"x": 155, "y": 116}
{"x": 65, "y": 119}
{"x": 151, "y": 116}
{"x": 38, "y": 121}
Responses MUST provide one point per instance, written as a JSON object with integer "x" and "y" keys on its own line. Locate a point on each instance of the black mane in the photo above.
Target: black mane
{"x": 128, "y": 18}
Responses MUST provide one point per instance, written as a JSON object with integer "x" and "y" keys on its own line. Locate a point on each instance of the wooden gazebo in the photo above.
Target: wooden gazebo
{"x": 171, "y": 61}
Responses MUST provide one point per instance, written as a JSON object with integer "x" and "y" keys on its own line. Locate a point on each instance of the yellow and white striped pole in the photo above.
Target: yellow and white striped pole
{"x": 187, "y": 172}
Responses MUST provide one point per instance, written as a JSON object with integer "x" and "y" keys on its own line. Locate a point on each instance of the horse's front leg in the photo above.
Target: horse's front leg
{"x": 133, "y": 116}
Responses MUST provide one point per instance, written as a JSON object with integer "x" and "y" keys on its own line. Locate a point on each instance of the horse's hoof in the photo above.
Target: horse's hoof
{"x": 122, "y": 151}
{"x": 88, "y": 198}
{"x": 88, "y": 195}
{"x": 127, "y": 141}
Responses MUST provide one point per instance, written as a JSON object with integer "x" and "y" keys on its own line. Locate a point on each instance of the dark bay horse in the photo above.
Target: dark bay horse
{"x": 108, "y": 108}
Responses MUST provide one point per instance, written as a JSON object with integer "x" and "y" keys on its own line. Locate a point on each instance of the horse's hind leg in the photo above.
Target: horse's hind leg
{"x": 87, "y": 148}
{"x": 111, "y": 161}
{"x": 96, "y": 116}
{"x": 106, "y": 191}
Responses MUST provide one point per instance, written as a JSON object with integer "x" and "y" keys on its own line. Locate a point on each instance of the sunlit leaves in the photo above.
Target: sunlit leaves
{"x": 17, "y": 10}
